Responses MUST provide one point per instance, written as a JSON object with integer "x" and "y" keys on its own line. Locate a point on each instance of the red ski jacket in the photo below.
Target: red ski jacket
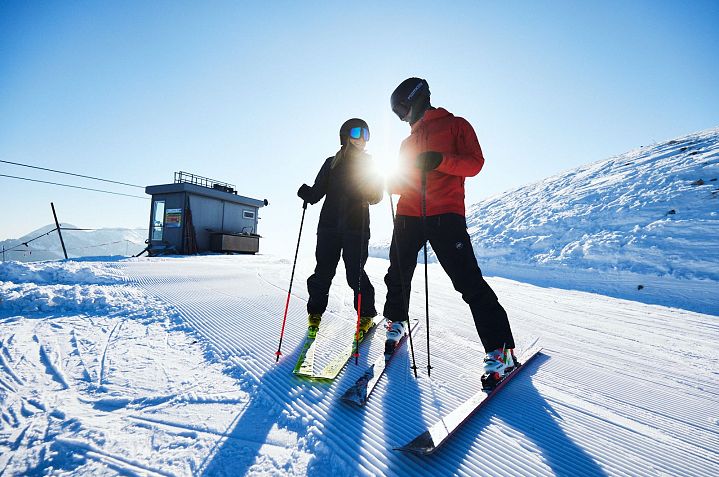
{"x": 440, "y": 131}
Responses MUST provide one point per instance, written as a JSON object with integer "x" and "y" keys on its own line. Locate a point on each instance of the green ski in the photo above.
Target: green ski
{"x": 306, "y": 359}
{"x": 333, "y": 368}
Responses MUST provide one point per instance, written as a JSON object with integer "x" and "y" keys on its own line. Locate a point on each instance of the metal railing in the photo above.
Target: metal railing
{"x": 186, "y": 177}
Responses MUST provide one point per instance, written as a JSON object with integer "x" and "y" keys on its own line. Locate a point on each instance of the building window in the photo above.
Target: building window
{"x": 248, "y": 214}
{"x": 158, "y": 219}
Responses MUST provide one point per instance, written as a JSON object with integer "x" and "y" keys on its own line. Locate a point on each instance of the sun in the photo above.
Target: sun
{"x": 385, "y": 151}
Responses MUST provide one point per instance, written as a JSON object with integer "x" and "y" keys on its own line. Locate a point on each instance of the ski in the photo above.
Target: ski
{"x": 333, "y": 368}
{"x": 305, "y": 360}
{"x": 359, "y": 392}
{"x": 439, "y": 432}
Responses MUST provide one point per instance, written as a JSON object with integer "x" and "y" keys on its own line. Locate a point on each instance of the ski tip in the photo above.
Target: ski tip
{"x": 421, "y": 445}
{"x": 532, "y": 343}
{"x": 355, "y": 400}
{"x": 356, "y": 394}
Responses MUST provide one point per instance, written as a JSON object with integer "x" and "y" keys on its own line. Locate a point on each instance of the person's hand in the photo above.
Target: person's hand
{"x": 304, "y": 192}
{"x": 429, "y": 160}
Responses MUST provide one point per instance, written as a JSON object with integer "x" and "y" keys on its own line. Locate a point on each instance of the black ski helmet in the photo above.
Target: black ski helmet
{"x": 349, "y": 124}
{"x": 411, "y": 96}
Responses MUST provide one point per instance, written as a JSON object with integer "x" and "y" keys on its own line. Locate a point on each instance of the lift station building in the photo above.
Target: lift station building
{"x": 196, "y": 214}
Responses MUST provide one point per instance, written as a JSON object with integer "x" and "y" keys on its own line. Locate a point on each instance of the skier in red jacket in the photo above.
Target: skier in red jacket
{"x": 445, "y": 148}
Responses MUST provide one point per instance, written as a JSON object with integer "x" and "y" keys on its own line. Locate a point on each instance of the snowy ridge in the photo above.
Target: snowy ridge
{"x": 654, "y": 210}
{"x": 78, "y": 243}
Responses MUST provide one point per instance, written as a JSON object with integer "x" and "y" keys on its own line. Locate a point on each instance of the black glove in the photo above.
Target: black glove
{"x": 428, "y": 161}
{"x": 304, "y": 192}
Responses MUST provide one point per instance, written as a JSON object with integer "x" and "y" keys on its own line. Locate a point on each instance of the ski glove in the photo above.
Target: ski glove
{"x": 305, "y": 192}
{"x": 429, "y": 160}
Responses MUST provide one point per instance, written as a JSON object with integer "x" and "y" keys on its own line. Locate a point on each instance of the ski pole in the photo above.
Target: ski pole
{"x": 426, "y": 281}
{"x": 405, "y": 302}
{"x": 359, "y": 291}
{"x": 278, "y": 353}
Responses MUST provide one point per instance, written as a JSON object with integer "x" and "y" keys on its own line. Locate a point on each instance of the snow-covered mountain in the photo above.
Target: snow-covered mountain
{"x": 640, "y": 225}
{"x": 654, "y": 210}
{"x": 78, "y": 243}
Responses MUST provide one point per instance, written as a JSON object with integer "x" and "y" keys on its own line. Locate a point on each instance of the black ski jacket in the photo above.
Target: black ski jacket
{"x": 349, "y": 188}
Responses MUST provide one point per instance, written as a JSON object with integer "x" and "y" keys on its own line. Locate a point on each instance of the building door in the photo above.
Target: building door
{"x": 158, "y": 219}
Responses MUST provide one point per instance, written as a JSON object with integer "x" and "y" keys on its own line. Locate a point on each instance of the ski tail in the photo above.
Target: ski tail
{"x": 360, "y": 391}
{"x": 437, "y": 434}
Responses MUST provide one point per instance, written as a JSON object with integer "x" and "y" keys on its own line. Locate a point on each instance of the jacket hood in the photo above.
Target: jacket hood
{"x": 431, "y": 115}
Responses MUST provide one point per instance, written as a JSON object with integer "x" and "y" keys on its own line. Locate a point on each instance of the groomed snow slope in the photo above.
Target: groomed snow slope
{"x": 622, "y": 388}
{"x": 607, "y": 396}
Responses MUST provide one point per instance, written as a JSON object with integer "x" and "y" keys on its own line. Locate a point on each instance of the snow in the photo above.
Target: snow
{"x": 81, "y": 385}
{"x": 166, "y": 366}
{"x": 616, "y": 214}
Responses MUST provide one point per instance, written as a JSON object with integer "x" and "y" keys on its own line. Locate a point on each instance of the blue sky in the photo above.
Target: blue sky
{"x": 253, "y": 93}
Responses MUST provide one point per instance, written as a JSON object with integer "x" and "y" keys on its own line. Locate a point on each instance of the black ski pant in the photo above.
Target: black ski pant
{"x": 353, "y": 248}
{"x": 447, "y": 233}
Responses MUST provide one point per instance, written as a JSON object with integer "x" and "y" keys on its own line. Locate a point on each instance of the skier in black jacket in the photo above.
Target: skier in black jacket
{"x": 350, "y": 186}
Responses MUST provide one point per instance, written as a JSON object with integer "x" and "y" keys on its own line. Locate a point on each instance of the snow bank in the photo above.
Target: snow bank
{"x": 68, "y": 299}
{"x": 69, "y": 273}
{"x": 64, "y": 288}
{"x": 95, "y": 376}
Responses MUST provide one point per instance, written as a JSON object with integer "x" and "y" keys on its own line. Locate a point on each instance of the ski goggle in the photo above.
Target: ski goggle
{"x": 401, "y": 110}
{"x": 358, "y": 132}
{"x": 402, "y": 107}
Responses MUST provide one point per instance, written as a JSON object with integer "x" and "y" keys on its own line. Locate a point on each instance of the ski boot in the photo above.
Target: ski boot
{"x": 313, "y": 324}
{"x": 395, "y": 332}
{"x": 497, "y": 364}
{"x": 366, "y": 323}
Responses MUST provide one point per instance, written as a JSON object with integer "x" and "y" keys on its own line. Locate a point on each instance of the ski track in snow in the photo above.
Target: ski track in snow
{"x": 605, "y": 398}
{"x": 78, "y": 392}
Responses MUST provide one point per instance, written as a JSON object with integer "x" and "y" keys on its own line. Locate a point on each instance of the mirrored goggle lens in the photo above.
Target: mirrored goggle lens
{"x": 401, "y": 110}
{"x": 356, "y": 133}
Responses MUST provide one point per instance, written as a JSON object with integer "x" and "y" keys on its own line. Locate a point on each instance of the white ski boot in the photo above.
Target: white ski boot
{"x": 497, "y": 364}
{"x": 395, "y": 332}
